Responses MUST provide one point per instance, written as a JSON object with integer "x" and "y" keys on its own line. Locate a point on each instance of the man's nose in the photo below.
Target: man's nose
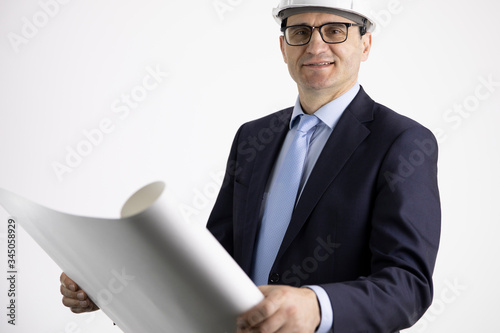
{"x": 316, "y": 44}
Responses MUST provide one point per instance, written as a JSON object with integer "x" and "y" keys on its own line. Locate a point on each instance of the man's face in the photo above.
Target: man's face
{"x": 306, "y": 63}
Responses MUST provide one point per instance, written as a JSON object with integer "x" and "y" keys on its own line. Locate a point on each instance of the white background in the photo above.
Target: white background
{"x": 224, "y": 68}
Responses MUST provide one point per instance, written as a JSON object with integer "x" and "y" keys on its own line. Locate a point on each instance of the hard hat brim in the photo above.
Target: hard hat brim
{"x": 278, "y": 13}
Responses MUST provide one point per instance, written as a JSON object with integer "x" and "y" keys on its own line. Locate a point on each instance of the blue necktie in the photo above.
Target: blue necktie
{"x": 281, "y": 201}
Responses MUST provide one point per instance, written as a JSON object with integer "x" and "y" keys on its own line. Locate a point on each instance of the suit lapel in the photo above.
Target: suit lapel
{"x": 262, "y": 167}
{"x": 345, "y": 139}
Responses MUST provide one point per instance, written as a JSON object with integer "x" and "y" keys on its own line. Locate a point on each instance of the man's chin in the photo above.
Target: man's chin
{"x": 320, "y": 86}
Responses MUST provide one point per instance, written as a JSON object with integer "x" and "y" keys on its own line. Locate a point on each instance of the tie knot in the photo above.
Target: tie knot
{"x": 307, "y": 122}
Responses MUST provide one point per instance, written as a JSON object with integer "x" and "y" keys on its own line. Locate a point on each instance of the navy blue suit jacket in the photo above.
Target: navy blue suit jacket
{"x": 367, "y": 225}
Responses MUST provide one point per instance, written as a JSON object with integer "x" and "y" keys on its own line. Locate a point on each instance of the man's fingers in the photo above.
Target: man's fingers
{"x": 81, "y": 310}
{"x": 254, "y": 316}
{"x": 71, "y": 302}
{"x": 78, "y": 306}
{"x": 75, "y": 298}
{"x": 284, "y": 309}
{"x": 79, "y": 295}
{"x": 262, "y": 312}
{"x": 265, "y": 289}
{"x": 67, "y": 293}
{"x": 275, "y": 323}
{"x": 68, "y": 283}
{"x": 78, "y": 310}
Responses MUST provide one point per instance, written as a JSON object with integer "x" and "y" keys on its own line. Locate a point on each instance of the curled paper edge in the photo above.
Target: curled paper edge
{"x": 149, "y": 270}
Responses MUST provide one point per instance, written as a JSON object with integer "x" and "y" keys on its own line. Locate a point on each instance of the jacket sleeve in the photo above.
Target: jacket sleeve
{"x": 404, "y": 239}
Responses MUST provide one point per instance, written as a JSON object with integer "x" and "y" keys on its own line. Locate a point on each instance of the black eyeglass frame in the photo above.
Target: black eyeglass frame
{"x": 311, "y": 28}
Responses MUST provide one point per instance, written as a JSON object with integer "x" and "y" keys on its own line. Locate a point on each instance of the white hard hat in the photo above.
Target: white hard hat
{"x": 351, "y": 9}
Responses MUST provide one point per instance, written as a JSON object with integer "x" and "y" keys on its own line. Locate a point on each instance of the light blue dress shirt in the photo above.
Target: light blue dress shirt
{"x": 329, "y": 116}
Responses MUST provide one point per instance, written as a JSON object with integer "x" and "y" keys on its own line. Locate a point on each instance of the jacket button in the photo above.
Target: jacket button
{"x": 274, "y": 278}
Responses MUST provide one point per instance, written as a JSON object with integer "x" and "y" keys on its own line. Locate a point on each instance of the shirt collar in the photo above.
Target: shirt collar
{"x": 330, "y": 113}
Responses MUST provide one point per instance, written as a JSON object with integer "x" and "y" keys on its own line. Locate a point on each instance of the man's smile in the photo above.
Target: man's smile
{"x": 318, "y": 64}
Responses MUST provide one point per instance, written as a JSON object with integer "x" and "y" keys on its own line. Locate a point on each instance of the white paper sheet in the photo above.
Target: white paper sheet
{"x": 148, "y": 271}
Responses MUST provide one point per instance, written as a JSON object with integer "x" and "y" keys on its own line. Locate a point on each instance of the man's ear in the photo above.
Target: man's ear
{"x": 282, "y": 47}
{"x": 366, "y": 46}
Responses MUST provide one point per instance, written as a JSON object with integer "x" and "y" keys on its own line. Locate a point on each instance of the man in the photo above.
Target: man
{"x": 349, "y": 244}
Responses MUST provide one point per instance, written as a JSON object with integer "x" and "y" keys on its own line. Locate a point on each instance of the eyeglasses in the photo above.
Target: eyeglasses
{"x": 331, "y": 33}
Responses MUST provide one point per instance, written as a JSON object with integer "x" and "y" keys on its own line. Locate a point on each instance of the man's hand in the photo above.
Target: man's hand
{"x": 75, "y": 298}
{"x": 284, "y": 310}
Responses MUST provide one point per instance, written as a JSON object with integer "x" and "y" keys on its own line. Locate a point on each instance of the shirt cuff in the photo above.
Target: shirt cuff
{"x": 325, "y": 306}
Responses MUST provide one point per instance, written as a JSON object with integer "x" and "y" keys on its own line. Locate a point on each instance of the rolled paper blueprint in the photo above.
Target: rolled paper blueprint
{"x": 149, "y": 271}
